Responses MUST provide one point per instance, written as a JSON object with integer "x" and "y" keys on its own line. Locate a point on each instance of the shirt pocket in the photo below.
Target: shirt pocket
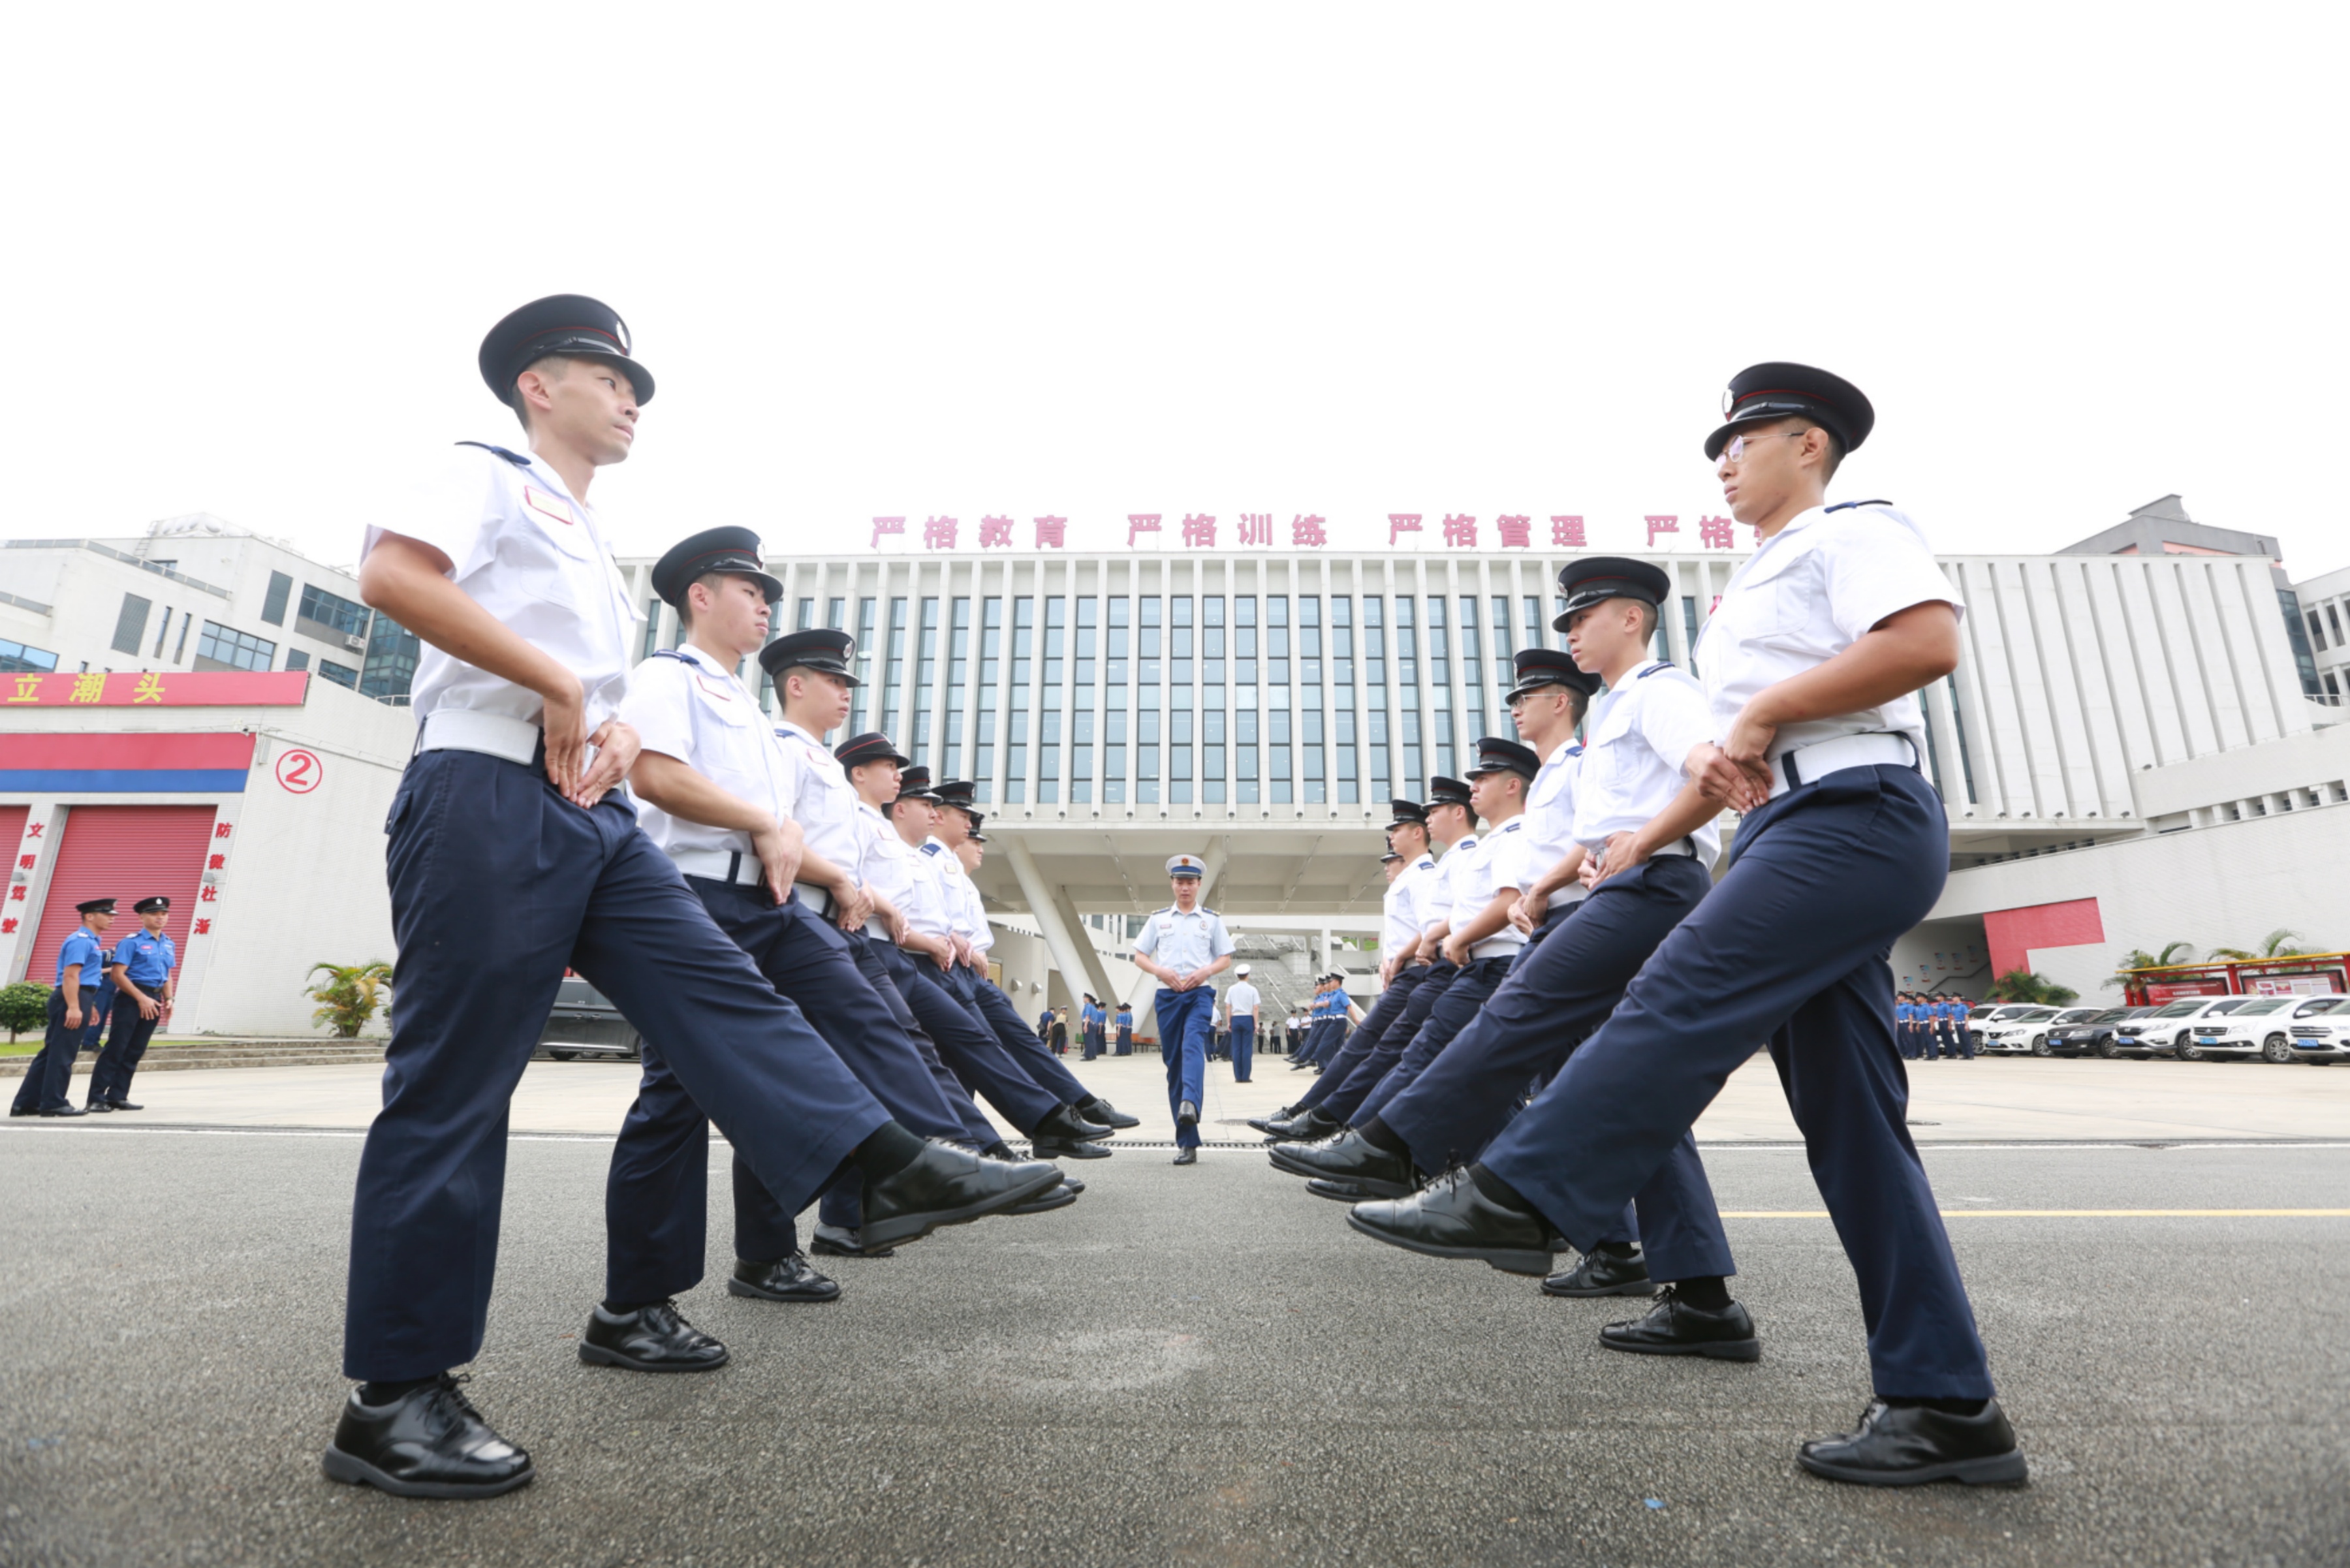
{"x": 1776, "y": 603}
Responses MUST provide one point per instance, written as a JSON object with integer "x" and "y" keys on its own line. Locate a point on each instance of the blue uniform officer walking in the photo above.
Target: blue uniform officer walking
{"x": 80, "y": 961}
{"x": 1184, "y": 946}
{"x": 143, "y": 980}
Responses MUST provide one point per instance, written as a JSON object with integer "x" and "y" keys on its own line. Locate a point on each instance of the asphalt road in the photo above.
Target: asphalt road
{"x": 1189, "y": 1366}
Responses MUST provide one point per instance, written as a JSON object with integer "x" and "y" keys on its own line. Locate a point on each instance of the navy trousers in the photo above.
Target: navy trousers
{"x": 1035, "y": 1058}
{"x": 1790, "y": 945}
{"x": 971, "y": 1051}
{"x": 126, "y": 1046}
{"x": 94, "y": 1020}
{"x": 1389, "y": 1007}
{"x": 655, "y": 1191}
{"x": 1335, "y": 1030}
{"x": 1244, "y": 1046}
{"x": 497, "y": 884}
{"x": 1342, "y": 1102}
{"x": 881, "y": 962}
{"x": 48, "y": 1077}
{"x": 1184, "y": 1017}
{"x": 1453, "y": 1011}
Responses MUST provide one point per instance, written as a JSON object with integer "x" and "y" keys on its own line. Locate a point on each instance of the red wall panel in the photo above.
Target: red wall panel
{"x": 126, "y": 852}
{"x": 2013, "y": 933}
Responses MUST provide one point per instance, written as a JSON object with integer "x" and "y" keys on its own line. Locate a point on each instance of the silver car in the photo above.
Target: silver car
{"x": 2261, "y": 1028}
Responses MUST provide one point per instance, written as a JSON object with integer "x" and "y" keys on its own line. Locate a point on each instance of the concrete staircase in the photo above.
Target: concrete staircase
{"x": 164, "y": 1056}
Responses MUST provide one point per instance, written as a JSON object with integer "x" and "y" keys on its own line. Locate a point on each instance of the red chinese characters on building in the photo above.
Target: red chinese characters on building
{"x": 1198, "y": 529}
{"x": 1713, "y": 533}
{"x": 222, "y": 829}
{"x": 1401, "y": 522}
{"x": 8, "y": 926}
{"x": 938, "y": 534}
{"x": 1257, "y": 528}
{"x": 1567, "y": 533}
{"x": 1138, "y": 523}
{"x": 1516, "y": 529}
{"x": 1305, "y": 532}
{"x": 204, "y": 926}
{"x": 1660, "y": 522}
{"x": 27, "y": 862}
{"x": 1052, "y": 533}
{"x": 995, "y": 533}
{"x": 216, "y": 863}
{"x": 886, "y": 525}
{"x": 1461, "y": 530}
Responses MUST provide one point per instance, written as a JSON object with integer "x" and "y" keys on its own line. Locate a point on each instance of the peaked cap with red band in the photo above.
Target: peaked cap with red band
{"x": 1778, "y": 391}
{"x": 569, "y": 324}
{"x": 734, "y": 550}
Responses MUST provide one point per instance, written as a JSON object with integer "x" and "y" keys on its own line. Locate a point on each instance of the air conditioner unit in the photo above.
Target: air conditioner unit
{"x": 356, "y": 644}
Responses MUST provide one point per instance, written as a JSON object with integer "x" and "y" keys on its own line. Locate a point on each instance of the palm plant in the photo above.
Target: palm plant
{"x": 350, "y": 994}
{"x": 2138, "y": 958}
{"x": 2278, "y": 944}
{"x": 2022, "y": 985}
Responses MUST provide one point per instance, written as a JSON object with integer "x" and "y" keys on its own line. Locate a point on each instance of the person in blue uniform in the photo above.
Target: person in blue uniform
{"x": 1961, "y": 1010}
{"x": 82, "y": 958}
{"x": 1811, "y": 661}
{"x": 1124, "y": 1040}
{"x": 1183, "y": 947}
{"x": 143, "y": 971}
{"x": 101, "y": 1010}
{"x": 514, "y": 854}
{"x": 1905, "y": 1026}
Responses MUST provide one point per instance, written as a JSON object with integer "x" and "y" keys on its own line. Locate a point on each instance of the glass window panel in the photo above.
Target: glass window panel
{"x": 832, "y": 611}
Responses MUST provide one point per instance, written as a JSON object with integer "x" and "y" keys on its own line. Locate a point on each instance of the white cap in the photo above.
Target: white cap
{"x": 1242, "y": 970}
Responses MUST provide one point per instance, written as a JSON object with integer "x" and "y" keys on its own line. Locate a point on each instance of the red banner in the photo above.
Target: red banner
{"x": 159, "y": 687}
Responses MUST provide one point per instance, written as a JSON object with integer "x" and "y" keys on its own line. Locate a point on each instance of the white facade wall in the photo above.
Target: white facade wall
{"x": 2325, "y": 612}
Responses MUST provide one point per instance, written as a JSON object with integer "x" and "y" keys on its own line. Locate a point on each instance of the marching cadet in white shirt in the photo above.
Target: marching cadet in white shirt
{"x": 1652, "y": 719}
{"x": 1184, "y": 946}
{"x": 513, "y": 855}
{"x": 1811, "y": 661}
{"x": 1546, "y": 707}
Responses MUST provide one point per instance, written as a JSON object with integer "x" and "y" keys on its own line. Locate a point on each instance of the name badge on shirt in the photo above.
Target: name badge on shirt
{"x": 713, "y": 688}
{"x": 546, "y": 505}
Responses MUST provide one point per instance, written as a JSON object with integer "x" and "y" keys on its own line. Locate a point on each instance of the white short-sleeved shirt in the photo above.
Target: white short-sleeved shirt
{"x": 524, "y": 550}
{"x": 1399, "y": 931}
{"x": 1811, "y": 591}
{"x": 1184, "y": 942}
{"x": 1497, "y": 862}
{"x": 964, "y": 912}
{"x": 1243, "y": 999}
{"x": 936, "y": 910}
{"x": 1549, "y": 820}
{"x": 884, "y": 862}
{"x": 824, "y": 803}
{"x": 1436, "y": 904}
{"x": 1635, "y": 744}
{"x": 683, "y": 706}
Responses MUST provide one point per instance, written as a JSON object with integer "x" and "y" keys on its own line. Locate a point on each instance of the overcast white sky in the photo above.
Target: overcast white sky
{"x": 1089, "y": 260}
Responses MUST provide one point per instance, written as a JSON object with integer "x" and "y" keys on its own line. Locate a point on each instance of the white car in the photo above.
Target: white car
{"x": 2322, "y": 1040}
{"x": 2171, "y": 1028}
{"x": 2262, "y": 1028}
{"x": 2027, "y": 1031}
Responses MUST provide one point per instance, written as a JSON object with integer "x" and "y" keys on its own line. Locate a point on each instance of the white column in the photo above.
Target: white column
{"x": 1068, "y": 956}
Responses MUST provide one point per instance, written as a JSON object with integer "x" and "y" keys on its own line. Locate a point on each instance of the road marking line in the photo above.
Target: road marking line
{"x": 2070, "y": 1214}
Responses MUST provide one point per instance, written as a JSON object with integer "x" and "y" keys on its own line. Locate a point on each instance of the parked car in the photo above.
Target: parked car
{"x": 584, "y": 1023}
{"x": 2167, "y": 1029}
{"x": 2262, "y": 1028}
{"x": 2322, "y": 1040}
{"x": 2093, "y": 1035}
{"x": 2011, "y": 1034}
{"x": 2038, "y": 1035}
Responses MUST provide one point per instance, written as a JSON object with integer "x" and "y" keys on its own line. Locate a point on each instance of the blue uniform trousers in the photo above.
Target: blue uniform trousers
{"x": 1093, "y": 1040}
{"x": 1035, "y": 1058}
{"x": 1335, "y": 1030}
{"x": 1791, "y": 945}
{"x": 497, "y": 883}
{"x": 971, "y": 1050}
{"x": 656, "y": 1194}
{"x": 48, "y": 1077}
{"x": 1183, "y": 1019}
{"x": 1243, "y": 1045}
{"x": 94, "y": 1020}
{"x": 1342, "y": 1102}
{"x": 883, "y": 962}
{"x": 1125, "y": 1042}
{"x": 1453, "y": 1011}
{"x": 1557, "y": 994}
{"x": 126, "y": 1045}
{"x": 1924, "y": 1047}
{"x": 1384, "y": 1012}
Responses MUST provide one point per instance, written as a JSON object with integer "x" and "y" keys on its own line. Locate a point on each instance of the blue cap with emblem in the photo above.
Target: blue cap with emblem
{"x": 95, "y": 906}
{"x": 1778, "y": 391}
{"x": 1186, "y": 865}
{"x": 734, "y": 550}
{"x": 157, "y": 905}
{"x": 818, "y": 648}
{"x": 1496, "y": 755}
{"x": 570, "y": 324}
{"x": 1595, "y": 579}
{"x": 1540, "y": 667}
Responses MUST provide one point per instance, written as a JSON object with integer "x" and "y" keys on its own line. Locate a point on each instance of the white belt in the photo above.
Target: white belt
{"x": 1809, "y": 765}
{"x": 1496, "y": 946}
{"x": 1565, "y": 896}
{"x": 817, "y": 899}
{"x": 1678, "y": 847}
{"x": 719, "y": 866}
{"x": 494, "y": 734}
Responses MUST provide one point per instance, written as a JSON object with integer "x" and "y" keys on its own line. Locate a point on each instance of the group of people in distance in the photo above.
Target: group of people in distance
{"x": 1932, "y": 1027}
{"x": 793, "y": 930}
{"x": 1569, "y": 986}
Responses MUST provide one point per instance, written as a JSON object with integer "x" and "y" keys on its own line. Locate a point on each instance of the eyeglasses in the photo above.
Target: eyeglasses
{"x": 1736, "y": 450}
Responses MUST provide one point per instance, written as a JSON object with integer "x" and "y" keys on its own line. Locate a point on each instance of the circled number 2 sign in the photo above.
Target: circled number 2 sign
{"x": 299, "y": 772}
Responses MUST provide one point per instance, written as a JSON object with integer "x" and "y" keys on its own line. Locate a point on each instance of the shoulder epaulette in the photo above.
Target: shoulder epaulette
{"x": 1212, "y": 913}
{"x": 1652, "y": 669}
{"x": 1426, "y": 863}
{"x": 670, "y": 653}
{"x": 1513, "y": 825}
{"x": 1848, "y": 505}
{"x": 512, "y": 457}
{"x": 932, "y": 847}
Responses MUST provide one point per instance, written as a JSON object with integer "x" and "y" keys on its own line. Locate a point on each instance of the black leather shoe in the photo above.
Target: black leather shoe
{"x": 1673, "y": 1327}
{"x": 1904, "y": 1445}
{"x": 1350, "y": 1158}
{"x": 655, "y": 1338}
{"x": 1065, "y": 1148}
{"x": 790, "y": 1278}
{"x": 20, "y": 1110}
{"x": 947, "y": 1186}
{"x": 841, "y": 1242}
{"x": 1597, "y": 1274}
{"x": 125, "y": 1106}
{"x": 1065, "y": 1126}
{"x": 430, "y": 1442}
{"x": 65, "y": 1111}
{"x": 1340, "y": 1191}
{"x": 1187, "y": 1157}
{"x": 1311, "y": 1128}
{"x": 1052, "y": 1198}
{"x": 1187, "y": 1115}
{"x": 1264, "y": 1124}
{"x": 98, "y": 1107}
{"x": 1098, "y": 1109}
{"x": 1073, "y": 1184}
{"x": 1453, "y": 1218}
